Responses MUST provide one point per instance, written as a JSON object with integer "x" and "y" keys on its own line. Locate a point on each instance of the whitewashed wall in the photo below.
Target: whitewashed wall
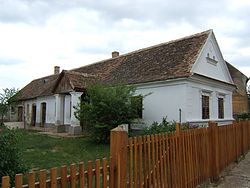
{"x": 194, "y": 101}
{"x": 67, "y": 106}
{"x": 50, "y": 109}
{"x": 167, "y": 98}
{"x": 163, "y": 100}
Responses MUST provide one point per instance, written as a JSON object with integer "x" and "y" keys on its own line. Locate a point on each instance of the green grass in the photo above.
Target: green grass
{"x": 44, "y": 152}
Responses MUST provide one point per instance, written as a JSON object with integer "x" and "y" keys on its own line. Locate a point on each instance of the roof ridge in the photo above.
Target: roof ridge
{"x": 148, "y": 48}
{"x": 44, "y": 77}
{"x": 80, "y": 73}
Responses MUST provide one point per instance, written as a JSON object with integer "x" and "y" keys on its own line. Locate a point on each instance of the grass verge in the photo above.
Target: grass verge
{"x": 44, "y": 152}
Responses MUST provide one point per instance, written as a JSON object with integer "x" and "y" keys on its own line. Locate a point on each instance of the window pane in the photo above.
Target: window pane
{"x": 220, "y": 108}
{"x": 205, "y": 107}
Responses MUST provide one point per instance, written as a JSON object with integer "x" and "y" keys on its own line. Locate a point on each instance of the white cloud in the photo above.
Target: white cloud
{"x": 37, "y": 35}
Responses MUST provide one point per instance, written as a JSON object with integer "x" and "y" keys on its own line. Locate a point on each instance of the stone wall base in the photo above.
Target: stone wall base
{"x": 61, "y": 128}
{"x": 75, "y": 130}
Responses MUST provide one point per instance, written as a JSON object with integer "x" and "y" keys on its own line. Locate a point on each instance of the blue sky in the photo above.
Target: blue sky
{"x": 39, "y": 34}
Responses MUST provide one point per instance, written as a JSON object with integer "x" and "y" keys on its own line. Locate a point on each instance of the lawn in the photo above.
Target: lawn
{"x": 44, "y": 152}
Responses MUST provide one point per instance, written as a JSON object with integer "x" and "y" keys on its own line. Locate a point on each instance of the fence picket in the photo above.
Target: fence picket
{"x": 97, "y": 173}
{"x": 5, "y": 182}
{"x": 90, "y": 175}
{"x": 135, "y": 162}
{"x": 18, "y": 181}
{"x": 81, "y": 175}
{"x": 31, "y": 179}
{"x": 53, "y": 177}
{"x": 145, "y": 161}
{"x": 140, "y": 162}
{"x": 104, "y": 174}
{"x": 73, "y": 175}
{"x": 64, "y": 176}
{"x": 131, "y": 163}
{"x": 42, "y": 178}
{"x": 149, "y": 161}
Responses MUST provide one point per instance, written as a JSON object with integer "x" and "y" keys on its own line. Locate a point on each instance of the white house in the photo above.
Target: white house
{"x": 188, "y": 81}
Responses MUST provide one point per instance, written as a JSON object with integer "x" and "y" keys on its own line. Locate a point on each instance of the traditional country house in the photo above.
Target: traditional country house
{"x": 188, "y": 80}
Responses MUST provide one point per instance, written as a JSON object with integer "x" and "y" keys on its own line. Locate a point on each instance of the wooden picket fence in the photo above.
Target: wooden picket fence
{"x": 185, "y": 158}
{"x": 101, "y": 175}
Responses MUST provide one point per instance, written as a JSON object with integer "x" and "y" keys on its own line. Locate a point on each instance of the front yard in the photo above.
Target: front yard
{"x": 44, "y": 152}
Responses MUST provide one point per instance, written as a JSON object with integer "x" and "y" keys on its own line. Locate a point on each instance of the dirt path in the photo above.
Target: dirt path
{"x": 239, "y": 176}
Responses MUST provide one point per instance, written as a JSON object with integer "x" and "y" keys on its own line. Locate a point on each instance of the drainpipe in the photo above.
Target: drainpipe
{"x": 180, "y": 115}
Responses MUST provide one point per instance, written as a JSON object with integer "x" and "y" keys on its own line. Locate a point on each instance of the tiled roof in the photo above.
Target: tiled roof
{"x": 72, "y": 81}
{"x": 165, "y": 61}
{"x": 169, "y": 60}
{"x": 239, "y": 79}
{"x": 37, "y": 88}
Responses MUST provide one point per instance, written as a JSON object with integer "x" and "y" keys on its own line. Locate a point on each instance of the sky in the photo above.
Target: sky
{"x": 36, "y": 35}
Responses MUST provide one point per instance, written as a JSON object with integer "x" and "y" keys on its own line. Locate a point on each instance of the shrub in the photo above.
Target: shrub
{"x": 243, "y": 116}
{"x": 10, "y": 157}
{"x": 164, "y": 126}
{"x": 104, "y": 108}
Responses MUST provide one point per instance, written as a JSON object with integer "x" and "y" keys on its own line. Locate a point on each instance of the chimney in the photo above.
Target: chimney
{"x": 115, "y": 54}
{"x": 56, "y": 69}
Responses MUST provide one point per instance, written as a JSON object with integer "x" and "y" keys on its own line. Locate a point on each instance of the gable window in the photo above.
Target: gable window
{"x": 220, "y": 108}
{"x": 205, "y": 107}
{"x": 137, "y": 102}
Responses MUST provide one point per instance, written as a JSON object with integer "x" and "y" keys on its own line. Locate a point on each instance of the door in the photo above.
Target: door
{"x": 20, "y": 114}
{"x": 43, "y": 114}
{"x": 33, "y": 117}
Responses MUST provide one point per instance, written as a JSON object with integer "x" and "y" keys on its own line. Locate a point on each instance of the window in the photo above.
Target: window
{"x": 220, "y": 108}
{"x": 137, "y": 102}
{"x": 205, "y": 107}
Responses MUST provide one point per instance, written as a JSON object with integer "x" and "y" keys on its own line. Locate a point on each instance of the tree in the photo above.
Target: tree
{"x": 104, "y": 108}
{"x": 11, "y": 162}
{"x": 6, "y": 98}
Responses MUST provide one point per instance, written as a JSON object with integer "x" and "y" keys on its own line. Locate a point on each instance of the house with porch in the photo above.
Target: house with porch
{"x": 188, "y": 81}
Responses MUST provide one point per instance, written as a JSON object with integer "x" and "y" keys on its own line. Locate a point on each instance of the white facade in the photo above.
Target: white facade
{"x": 59, "y": 110}
{"x": 167, "y": 99}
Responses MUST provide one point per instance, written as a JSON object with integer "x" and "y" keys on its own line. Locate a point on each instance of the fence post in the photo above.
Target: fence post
{"x": 118, "y": 151}
{"x": 180, "y": 156}
{"x": 5, "y": 182}
{"x": 214, "y": 145}
{"x": 242, "y": 124}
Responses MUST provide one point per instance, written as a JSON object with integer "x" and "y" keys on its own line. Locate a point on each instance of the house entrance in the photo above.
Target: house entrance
{"x": 20, "y": 114}
{"x": 33, "y": 117}
{"x": 43, "y": 114}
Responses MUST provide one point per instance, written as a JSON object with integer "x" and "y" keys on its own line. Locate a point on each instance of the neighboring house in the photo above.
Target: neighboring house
{"x": 187, "y": 79}
{"x": 240, "y": 97}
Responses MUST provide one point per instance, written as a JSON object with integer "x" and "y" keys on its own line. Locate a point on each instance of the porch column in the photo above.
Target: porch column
{"x": 59, "y": 109}
{"x": 75, "y": 123}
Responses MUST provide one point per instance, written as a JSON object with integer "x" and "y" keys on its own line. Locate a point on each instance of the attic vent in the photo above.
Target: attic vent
{"x": 212, "y": 60}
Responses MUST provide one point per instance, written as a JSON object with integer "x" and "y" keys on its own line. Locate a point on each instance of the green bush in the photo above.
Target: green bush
{"x": 164, "y": 126}
{"x": 10, "y": 156}
{"x": 243, "y": 116}
{"x": 104, "y": 108}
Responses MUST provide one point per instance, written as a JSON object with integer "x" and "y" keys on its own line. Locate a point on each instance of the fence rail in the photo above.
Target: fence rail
{"x": 179, "y": 159}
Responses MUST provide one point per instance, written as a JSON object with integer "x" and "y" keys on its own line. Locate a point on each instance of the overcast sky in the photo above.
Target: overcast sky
{"x": 36, "y": 35}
